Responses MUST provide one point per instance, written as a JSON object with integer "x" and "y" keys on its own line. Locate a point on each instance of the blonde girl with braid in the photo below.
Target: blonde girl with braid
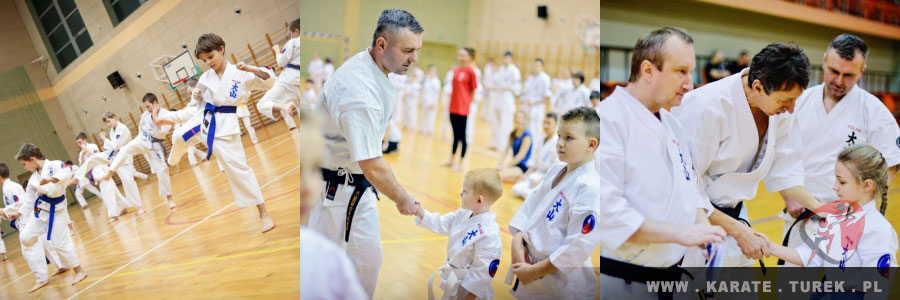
{"x": 861, "y": 177}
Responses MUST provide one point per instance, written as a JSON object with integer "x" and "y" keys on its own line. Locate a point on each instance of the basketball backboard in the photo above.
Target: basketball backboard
{"x": 180, "y": 69}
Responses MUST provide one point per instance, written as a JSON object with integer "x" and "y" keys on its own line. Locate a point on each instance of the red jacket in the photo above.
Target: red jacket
{"x": 464, "y": 84}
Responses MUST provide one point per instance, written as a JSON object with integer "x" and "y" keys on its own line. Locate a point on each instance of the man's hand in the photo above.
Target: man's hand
{"x": 407, "y": 207}
{"x": 700, "y": 235}
{"x": 752, "y": 245}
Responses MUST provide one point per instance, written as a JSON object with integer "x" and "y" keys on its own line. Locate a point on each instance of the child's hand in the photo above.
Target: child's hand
{"x": 48, "y": 180}
{"x": 276, "y": 48}
{"x": 242, "y": 66}
{"x": 102, "y": 135}
{"x": 420, "y": 211}
{"x": 526, "y": 272}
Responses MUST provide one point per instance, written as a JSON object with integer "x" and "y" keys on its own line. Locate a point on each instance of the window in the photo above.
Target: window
{"x": 120, "y": 9}
{"x": 63, "y": 30}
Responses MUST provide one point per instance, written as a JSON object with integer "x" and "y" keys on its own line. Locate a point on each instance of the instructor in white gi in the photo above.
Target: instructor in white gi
{"x": 356, "y": 104}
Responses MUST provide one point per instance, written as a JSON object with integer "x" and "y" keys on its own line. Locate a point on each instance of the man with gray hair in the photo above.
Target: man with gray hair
{"x": 356, "y": 104}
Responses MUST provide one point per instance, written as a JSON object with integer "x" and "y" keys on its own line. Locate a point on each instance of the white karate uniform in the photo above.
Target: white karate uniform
{"x": 578, "y": 97}
{"x": 155, "y": 151}
{"x": 545, "y": 158}
{"x": 858, "y": 118}
{"x": 316, "y": 71}
{"x": 327, "y": 70}
{"x": 325, "y": 270}
{"x": 287, "y": 86}
{"x": 558, "y": 223}
{"x": 644, "y": 165}
{"x": 535, "y": 90}
{"x": 14, "y": 197}
{"x": 875, "y": 251}
{"x": 356, "y": 105}
{"x": 431, "y": 92}
{"x": 118, "y": 137}
{"x": 561, "y": 89}
{"x": 309, "y": 99}
{"x": 486, "y": 83}
{"x": 244, "y": 114}
{"x": 719, "y": 127}
{"x": 508, "y": 77}
{"x": 81, "y": 186}
{"x": 231, "y": 89}
{"x": 410, "y": 98}
{"x": 474, "y": 248}
{"x": 94, "y": 164}
{"x": 59, "y": 241}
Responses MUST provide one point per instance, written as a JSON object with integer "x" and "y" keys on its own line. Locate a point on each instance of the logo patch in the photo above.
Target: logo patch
{"x": 551, "y": 214}
{"x": 234, "y": 89}
{"x": 588, "y": 224}
{"x": 15, "y": 198}
{"x": 898, "y": 142}
{"x": 282, "y": 50}
{"x": 851, "y": 138}
{"x": 469, "y": 236}
{"x": 884, "y": 265}
{"x": 492, "y": 269}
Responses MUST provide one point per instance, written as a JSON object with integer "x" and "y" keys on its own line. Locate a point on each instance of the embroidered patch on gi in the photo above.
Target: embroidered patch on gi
{"x": 282, "y": 50}
{"x": 898, "y": 142}
{"x": 15, "y": 198}
{"x": 492, "y": 269}
{"x": 551, "y": 214}
{"x": 588, "y": 224}
{"x": 884, "y": 265}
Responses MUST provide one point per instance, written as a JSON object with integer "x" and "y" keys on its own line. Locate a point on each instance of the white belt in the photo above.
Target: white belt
{"x": 450, "y": 286}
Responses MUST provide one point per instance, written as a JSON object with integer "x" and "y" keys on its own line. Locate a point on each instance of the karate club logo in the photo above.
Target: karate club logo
{"x": 492, "y": 269}
{"x": 837, "y": 234}
{"x": 588, "y": 224}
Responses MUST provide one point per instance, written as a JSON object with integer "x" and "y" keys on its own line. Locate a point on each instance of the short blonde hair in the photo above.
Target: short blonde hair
{"x": 485, "y": 182}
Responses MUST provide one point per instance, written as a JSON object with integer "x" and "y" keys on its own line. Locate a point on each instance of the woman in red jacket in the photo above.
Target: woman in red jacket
{"x": 464, "y": 84}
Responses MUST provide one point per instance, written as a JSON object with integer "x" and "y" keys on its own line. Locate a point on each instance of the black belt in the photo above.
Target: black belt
{"x": 735, "y": 213}
{"x": 290, "y": 66}
{"x": 333, "y": 180}
{"x": 636, "y": 273}
{"x": 806, "y": 213}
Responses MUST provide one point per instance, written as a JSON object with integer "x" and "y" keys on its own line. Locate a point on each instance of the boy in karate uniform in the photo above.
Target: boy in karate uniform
{"x": 83, "y": 184}
{"x": 309, "y": 95}
{"x": 35, "y": 254}
{"x": 46, "y": 198}
{"x": 544, "y": 159}
{"x": 509, "y": 84}
{"x": 286, "y": 92}
{"x": 148, "y": 143}
{"x": 553, "y": 231}
{"x": 225, "y": 86}
{"x": 536, "y": 98}
{"x": 94, "y": 166}
{"x": 475, "y": 246}
{"x": 119, "y": 135}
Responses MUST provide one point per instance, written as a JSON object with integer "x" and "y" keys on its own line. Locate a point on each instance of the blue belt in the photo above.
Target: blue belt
{"x": 188, "y": 135}
{"x": 211, "y": 134}
{"x": 53, "y": 202}
{"x": 290, "y": 66}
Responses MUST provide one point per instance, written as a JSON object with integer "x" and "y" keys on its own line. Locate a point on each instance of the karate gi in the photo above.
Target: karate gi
{"x": 474, "y": 248}
{"x": 356, "y": 103}
{"x": 558, "y": 223}
{"x": 546, "y": 157}
{"x": 287, "y": 86}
